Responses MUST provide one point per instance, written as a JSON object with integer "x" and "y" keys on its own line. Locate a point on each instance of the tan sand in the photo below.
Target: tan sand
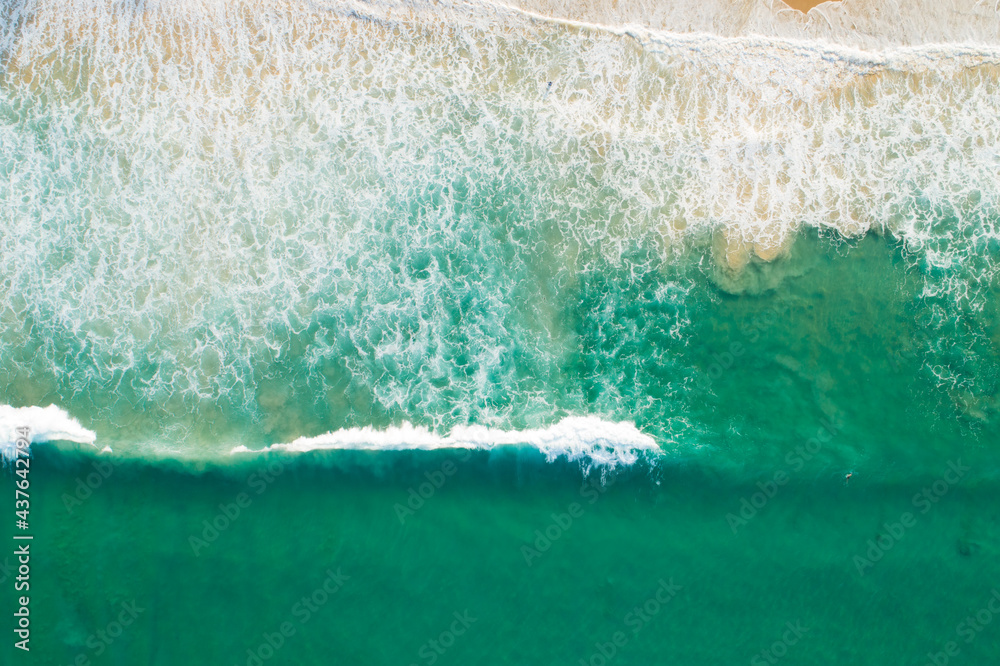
{"x": 804, "y": 5}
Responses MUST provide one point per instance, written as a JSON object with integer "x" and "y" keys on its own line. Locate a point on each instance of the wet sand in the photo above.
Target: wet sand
{"x": 805, "y": 5}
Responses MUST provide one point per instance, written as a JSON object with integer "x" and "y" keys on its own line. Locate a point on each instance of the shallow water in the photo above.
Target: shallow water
{"x": 532, "y": 321}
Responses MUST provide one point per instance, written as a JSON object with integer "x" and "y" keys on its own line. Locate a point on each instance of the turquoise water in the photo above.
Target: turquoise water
{"x": 464, "y": 337}
{"x": 462, "y": 551}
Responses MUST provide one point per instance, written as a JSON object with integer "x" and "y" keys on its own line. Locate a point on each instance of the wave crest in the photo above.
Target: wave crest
{"x": 584, "y": 438}
{"x": 45, "y": 424}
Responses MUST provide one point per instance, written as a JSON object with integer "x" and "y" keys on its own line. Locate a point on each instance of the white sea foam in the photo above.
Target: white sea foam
{"x": 584, "y": 438}
{"x": 191, "y": 185}
{"x": 868, "y": 24}
{"x": 44, "y": 424}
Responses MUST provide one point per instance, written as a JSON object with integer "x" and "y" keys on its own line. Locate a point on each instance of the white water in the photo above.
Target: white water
{"x": 587, "y": 439}
{"x": 864, "y": 24}
{"x": 188, "y": 185}
{"x": 44, "y": 424}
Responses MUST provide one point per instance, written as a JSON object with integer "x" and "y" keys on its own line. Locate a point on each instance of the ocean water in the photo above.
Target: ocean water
{"x": 400, "y": 333}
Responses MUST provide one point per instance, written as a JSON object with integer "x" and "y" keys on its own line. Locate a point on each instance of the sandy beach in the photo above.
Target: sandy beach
{"x": 864, "y": 24}
{"x": 804, "y": 5}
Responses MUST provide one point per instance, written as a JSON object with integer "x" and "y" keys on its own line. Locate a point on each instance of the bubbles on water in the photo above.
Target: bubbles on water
{"x": 321, "y": 222}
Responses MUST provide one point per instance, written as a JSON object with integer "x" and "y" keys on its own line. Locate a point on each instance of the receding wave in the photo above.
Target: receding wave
{"x": 866, "y": 24}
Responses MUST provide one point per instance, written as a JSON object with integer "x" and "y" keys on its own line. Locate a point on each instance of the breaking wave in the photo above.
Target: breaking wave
{"x": 296, "y": 217}
{"x": 43, "y": 424}
{"x": 586, "y": 439}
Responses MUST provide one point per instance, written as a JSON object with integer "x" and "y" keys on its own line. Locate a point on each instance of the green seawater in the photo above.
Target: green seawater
{"x": 398, "y": 584}
{"x": 449, "y": 338}
{"x": 748, "y": 536}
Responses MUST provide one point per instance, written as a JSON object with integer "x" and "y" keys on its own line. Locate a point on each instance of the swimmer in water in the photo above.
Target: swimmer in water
{"x": 848, "y": 477}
